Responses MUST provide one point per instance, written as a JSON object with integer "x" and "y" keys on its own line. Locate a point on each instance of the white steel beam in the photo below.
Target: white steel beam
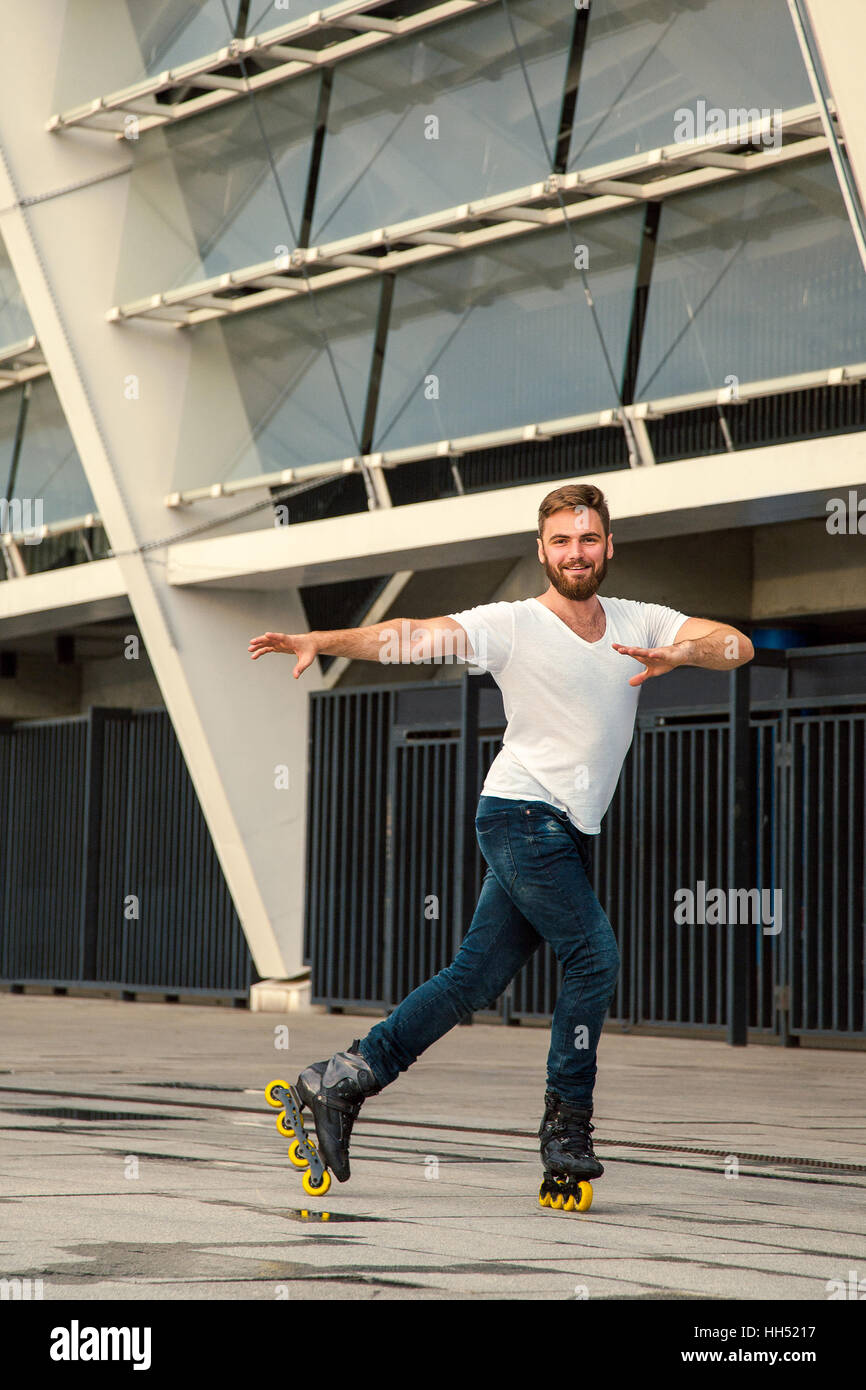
{"x": 20, "y": 362}
{"x": 374, "y": 614}
{"x": 12, "y": 558}
{"x": 366, "y": 22}
{"x": 839, "y": 28}
{"x": 55, "y": 528}
{"x": 292, "y": 61}
{"x": 651, "y": 176}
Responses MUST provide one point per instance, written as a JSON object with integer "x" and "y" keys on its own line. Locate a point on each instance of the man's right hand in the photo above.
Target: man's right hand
{"x": 303, "y": 645}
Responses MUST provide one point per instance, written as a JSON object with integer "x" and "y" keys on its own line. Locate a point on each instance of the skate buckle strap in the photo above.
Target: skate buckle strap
{"x": 345, "y": 1107}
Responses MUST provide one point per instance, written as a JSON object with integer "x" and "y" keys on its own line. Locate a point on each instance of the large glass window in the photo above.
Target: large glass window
{"x": 505, "y": 337}
{"x": 173, "y": 32}
{"x": 107, "y": 46}
{"x": 290, "y": 409}
{"x": 48, "y": 464}
{"x": 442, "y": 119}
{"x": 203, "y": 195}
{"x": 647, "y": 59}
{"x": 15, "y": 323}
{"x": 270, "y": 14}
{"x": 753, "y": 279}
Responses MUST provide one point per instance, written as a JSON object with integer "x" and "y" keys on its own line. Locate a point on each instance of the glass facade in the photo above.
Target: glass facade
{"x": 48, "y": 466}
{"x": 143, "y": 38}
{"x": 173, "y": 32}
{"x": 442, "y": 119}
{"x": 138, "y": 39}
{"x": 43, "y": 466}
{"x": 754, "y": 279}
{"x": 292, "y": 405}
{"x": 15, "y": 324}
{"x": 422, "y": 124}
{"x": 647, "y": 59}
{"x": 505, "y": 336}
{"x": 205, "y": 197}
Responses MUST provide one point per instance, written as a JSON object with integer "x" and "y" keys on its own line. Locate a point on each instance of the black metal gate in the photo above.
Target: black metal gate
{"x": 108, "y": 875}
{"x": 825, "y": 873}
{"x": 392, "y": 885}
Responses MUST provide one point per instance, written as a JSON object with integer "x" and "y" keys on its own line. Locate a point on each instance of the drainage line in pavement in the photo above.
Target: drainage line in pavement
{"x": 649, "y": 1145}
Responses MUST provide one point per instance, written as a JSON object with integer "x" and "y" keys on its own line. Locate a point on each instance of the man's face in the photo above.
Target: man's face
{"x": 574, "y": 553}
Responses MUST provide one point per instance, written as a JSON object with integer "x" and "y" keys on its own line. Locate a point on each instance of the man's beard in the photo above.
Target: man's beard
{"x": 574, "y": 586}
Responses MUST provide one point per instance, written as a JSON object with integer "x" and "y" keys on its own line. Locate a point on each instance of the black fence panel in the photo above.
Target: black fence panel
{"x": 681, "y": 841}
{"x": 109, "y": 875}
{"x": 348, "y": 818}
{"x": 165, "y": 914}
{"x": 666, "y": 830}
{"x": 42, "y": 859}
{"x": 767, "y": 981}
{"x": 422, "y": 902}
{"x": 826, "y": 878}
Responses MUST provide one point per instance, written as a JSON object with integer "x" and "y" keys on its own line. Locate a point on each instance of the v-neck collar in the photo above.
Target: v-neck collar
{"x": 590, "y": 646}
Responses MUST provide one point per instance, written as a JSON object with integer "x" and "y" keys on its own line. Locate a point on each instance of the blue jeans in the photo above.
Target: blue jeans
{"x": 536, "y": 889}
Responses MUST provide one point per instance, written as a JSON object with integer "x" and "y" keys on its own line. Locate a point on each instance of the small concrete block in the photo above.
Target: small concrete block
{"x": 281, "y": 996}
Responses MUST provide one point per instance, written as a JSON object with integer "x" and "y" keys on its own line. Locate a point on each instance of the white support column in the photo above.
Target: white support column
{"x": 839, "y": 27}
{"x": 63, "y": 206}
{"x": 374, "y": 614}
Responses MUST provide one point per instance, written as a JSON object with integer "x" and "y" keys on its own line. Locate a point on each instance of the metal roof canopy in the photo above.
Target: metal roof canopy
{"x": 648, "y": 177}
{"x": 274, "y": 46}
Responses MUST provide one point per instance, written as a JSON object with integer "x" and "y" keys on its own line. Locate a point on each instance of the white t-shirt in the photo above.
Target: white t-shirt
{"x": 570, "y": 708}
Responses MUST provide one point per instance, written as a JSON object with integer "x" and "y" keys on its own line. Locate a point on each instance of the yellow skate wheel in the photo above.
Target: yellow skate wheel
{"x": 584, "y": 1201}
{"x": 310, "y": 1187}
{"x": 296, "y": 1157}
{"x": 284, "y": 1127}
{"x": 269, "y": 1093}
{"x": 568, "y": 1204}
{"x": 544, "y": 1200}
{"x": 557, "y": 1201}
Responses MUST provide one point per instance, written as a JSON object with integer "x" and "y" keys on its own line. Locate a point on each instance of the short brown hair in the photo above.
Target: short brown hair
{"x": 575, "y": 495}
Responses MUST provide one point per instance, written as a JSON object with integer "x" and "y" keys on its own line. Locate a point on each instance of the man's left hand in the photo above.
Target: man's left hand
{"x": 657, "y": 660}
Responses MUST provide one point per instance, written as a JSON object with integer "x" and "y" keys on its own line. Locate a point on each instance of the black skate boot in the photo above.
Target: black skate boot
{"x": 567, "y": 1154}
{"x": 334, "y": 1091}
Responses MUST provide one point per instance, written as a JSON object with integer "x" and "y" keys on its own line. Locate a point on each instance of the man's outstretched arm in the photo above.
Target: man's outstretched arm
{"x": 714, "y": 646}
{"x": 399, "y": 640}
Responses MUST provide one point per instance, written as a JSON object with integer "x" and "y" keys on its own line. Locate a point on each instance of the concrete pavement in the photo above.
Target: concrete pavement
{"x": 139, "y": 1161}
